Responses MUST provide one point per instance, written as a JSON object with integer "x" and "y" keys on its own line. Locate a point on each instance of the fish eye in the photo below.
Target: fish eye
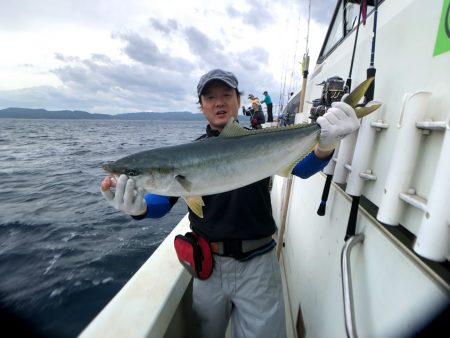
{"x": 130, "y": 172}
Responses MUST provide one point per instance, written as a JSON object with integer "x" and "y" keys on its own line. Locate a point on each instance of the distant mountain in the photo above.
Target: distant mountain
{"x": 26, "y": 113}
{"x": 183, "y": 116}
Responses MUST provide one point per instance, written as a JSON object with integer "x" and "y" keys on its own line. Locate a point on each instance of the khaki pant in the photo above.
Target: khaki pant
{"x": 249, "y": 292}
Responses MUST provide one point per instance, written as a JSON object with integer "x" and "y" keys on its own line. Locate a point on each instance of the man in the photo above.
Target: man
{"x": 245, "y": 285}
{"x": 268, "y": 101}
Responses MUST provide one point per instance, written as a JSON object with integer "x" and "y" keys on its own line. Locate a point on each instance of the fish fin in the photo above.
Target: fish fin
{"x": 233, "y": 129}
{"x": 353, "y": 98}
{"x": 184, "y": 182}
{"x": 196, "y": 204}
{"x": 288, "y": 170}
{"x": 363, "y": 111}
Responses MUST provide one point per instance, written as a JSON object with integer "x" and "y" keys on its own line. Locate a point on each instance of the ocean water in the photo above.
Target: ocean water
{"x": 64, "y": 252}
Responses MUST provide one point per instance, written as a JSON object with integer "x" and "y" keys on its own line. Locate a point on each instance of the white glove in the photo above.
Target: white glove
{"x": 126, "y": 198}
{"x": 339, "y": 121}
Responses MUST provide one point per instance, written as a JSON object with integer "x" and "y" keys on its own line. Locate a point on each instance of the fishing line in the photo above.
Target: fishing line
{"x": 283, "y": 85}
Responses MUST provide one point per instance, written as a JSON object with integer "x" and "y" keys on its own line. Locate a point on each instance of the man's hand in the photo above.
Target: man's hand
{"x": 126, "y": 198}
{"x": 339, "y": 121}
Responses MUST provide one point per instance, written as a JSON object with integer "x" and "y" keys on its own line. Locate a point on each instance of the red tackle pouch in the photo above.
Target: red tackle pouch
{"x": 194, "y": 253}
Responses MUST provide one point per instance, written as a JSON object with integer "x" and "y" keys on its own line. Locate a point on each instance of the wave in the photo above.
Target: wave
{"x": 63, "y": 249}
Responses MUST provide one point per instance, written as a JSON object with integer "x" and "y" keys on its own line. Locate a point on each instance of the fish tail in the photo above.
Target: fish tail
{"x": 355, "y": 96}
{"x": 363, "y": 111}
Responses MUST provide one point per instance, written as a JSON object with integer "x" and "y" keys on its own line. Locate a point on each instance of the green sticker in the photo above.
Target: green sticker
{"x": 443, "y": 36}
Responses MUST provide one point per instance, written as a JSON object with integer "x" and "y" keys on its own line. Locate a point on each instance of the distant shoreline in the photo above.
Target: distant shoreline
{"x": 27, "y": 113}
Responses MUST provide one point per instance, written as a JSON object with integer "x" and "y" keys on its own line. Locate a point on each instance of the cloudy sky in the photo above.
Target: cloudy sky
{"x": 115, "y": 56}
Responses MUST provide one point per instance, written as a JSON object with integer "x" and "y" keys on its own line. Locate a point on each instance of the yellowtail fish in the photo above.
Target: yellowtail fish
{"x": 236, "y": 158}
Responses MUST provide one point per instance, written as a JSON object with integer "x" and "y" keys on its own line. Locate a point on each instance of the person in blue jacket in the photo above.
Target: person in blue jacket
{"x": 268, "y": 101}
{"x": 245, "y": 285}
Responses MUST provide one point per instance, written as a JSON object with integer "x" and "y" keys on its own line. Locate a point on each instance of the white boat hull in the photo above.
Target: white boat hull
{"x": 394, "y": 292}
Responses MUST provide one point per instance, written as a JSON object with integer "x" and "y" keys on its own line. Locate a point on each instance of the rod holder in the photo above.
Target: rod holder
{"x": 404, "y": 157}
{"x": 362, "y": 155}
{"x": 433, "y": 238}
{"x": 329, "y": 169}
{"x": 346, "y": 148}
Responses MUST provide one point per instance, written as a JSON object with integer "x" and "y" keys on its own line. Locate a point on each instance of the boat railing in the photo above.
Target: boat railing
{"x": 347, "y": 289}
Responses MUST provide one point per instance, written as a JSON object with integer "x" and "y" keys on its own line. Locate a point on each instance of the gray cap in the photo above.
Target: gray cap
{"x": 217, "y": 74}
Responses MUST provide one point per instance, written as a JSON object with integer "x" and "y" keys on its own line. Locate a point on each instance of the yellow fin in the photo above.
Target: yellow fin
{"x": 196, "y": 204}
{"x": 288, "y": 170}
{"x": 233, "y": 129}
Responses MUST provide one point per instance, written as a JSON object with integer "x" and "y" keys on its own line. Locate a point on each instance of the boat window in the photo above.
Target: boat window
{"x": 336, "y": 32}
{"x": 351, "y": 16}
{"x": 344, "y": 21}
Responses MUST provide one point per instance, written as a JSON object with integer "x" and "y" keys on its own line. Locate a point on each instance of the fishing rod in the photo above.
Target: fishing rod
{"x": 368, "y": 96}
{"x": 305, "y": 67}
{"x": 285, "y": 202}
{"x": 348, "y": 86}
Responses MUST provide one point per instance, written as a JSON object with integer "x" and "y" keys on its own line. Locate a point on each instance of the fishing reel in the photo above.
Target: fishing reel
{"x": 333, "y": 90}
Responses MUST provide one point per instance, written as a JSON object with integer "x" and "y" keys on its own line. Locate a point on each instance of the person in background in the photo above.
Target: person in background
{"x": 255, "y": 112}
{"x": 254, "y": 101}
{"x": 268, "y": 101}
{"x": 245, "y": 285}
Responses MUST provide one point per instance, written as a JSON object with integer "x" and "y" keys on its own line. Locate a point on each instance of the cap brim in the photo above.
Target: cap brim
{"x": 217, "y": 79}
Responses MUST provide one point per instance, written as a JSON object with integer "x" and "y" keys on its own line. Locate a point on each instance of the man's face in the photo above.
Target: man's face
{"x": 219, "y": 103}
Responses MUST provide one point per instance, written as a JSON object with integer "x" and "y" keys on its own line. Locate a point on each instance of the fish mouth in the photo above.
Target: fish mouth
{"x": 113, "y": 169}
{"x": 107, "y": 167}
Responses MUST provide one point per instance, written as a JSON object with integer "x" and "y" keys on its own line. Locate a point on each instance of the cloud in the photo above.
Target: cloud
{"x": 147, "y": 52}
{"x": 322, "y": 11}
{"x": 168, "y": 27}
{"x": 209, "y": 52}
{"x": 139, "y": 84}
{"x": 258, "y": 16}
{"x": 126, "y": 61}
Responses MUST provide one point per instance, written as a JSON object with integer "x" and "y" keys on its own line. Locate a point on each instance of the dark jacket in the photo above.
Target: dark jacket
{"x": 256, "y": 118}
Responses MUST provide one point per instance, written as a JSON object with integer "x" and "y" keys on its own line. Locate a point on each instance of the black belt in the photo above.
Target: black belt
{"x": 237, "y": 247}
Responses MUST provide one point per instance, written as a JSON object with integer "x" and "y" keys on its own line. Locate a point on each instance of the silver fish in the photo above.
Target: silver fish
{"x": 236, "y": 158}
